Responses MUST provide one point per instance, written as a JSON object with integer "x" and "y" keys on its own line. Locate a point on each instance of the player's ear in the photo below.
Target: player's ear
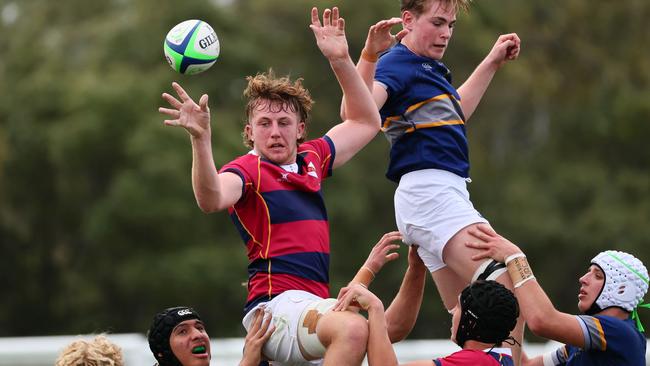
{"x": 408, "y": 18}
{"x": 248, "y": 130}
{"x": 301, "y": 130}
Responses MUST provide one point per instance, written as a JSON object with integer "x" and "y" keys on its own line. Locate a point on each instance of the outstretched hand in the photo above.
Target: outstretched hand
{"x": 380, "y": 253}
{"x": 505, "y": 49}
{"x": 194, "y": 118}
{"x": 492, "y": 245}
{"x": 259, "y": 332}
{"x": 379, "y": 36}
{"x": 330, "y": 35}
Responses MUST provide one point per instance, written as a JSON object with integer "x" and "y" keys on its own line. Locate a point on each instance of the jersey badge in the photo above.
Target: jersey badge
{"x": 311, "y": 170}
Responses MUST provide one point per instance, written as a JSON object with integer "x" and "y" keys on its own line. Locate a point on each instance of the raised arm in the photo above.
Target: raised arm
{"x": 378, "y": 257}
{"x": 213, "y": 191}
{"x": 541, "y": 316}
{"x": 403, "y": 311}
{"x": 379, "y": 40}
{"x": 362, "y": 122}
{"x": 405, "y": 307}
{"x": 505, "y": 49}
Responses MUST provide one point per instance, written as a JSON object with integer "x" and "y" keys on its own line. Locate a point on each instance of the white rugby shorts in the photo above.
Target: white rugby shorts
{"x": 286, "y": 310}
{"x": 431, "y": 206}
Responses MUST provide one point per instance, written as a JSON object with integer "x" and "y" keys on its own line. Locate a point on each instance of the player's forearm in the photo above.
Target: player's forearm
{"x": 380, "y": 349}
{"x": 361, "y": 107}
{"x": 403, "y": 311}
{"x": 205, "y": 178}
{"x": 536, "y": 307}
{"x": 472, "y": 90}
{"x": 366, "y": 70}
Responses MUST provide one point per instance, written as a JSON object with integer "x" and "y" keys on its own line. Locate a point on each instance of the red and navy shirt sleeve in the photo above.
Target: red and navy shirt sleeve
{"x": 325, "y": 151}
{"x": 241, "y": 167}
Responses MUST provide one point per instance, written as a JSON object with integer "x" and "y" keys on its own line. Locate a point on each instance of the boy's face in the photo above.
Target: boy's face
{"x": 190, "y": 343}
{"x": 275, "y": 130}
{"x": 591, "y": 284}
{"x": 431, "y": 31}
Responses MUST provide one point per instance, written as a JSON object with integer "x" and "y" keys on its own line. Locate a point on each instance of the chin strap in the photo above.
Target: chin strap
{"x": 635, "y": 316}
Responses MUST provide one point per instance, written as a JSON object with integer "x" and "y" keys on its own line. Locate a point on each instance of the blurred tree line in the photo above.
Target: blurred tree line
{"x": 98, "y": 224}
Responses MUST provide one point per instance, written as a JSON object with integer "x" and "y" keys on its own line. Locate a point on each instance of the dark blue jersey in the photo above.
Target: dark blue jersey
{"x": 422, "y": 117}
{"x": 609, "y": 341}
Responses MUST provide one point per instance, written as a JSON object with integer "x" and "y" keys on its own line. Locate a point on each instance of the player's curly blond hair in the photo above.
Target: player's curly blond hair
{"x": 420, "y": 6}
{"x": 98, "y": 352}
{"x": 281, "y": 92}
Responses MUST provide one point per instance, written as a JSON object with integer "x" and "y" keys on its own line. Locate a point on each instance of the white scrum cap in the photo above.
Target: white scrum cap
{"x": 626, "y": 280}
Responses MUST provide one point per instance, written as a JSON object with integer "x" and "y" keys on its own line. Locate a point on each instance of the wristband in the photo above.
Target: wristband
{"x": 369, "y": 270}
{"x": 364, "y": 276}
{"x": 519, "y": 270}
{"x": 513, "y": 256}
{"x": 518, "y": 284}
{"x": 369, "y": 56}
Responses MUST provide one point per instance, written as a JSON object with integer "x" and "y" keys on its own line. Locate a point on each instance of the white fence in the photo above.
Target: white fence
{"x": 42, "y": 351}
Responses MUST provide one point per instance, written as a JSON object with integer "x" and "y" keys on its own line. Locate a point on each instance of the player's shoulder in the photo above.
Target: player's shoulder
{"x": 396, "y": 64}
{"x": 320, "y": 147}
{"x": 241, "y": 164}
{"x": 243, "y": 159}
{"x": 605, "y": 319}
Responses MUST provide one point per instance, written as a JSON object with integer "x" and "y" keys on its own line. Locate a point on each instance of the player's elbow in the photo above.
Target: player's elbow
{"x": 208, "y": 206}
{"x": 535, "y": 324}
{"x": 206, "y": 209}
{"x": 375, "y": 120}
{"x": 398, "y": 333}
{"x": 367, "y": 117}
{"x": 398, "y": 329}
{"x": 540, "y": 324}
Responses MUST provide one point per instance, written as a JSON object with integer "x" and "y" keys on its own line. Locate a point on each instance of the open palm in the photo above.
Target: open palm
{"x": 330, "y": 35}
{"x": 195, "y": 118}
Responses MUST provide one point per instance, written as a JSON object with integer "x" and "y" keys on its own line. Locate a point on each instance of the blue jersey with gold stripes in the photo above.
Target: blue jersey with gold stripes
{"x": 422, "y": 118}
{"x": 609, "y": 341}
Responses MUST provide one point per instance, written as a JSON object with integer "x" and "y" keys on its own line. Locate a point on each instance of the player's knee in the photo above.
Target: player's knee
{"x": 343, "y": 328}
{"x": 353, "y": 331}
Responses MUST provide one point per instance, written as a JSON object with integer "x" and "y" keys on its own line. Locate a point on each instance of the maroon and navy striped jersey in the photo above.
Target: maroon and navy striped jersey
{"x": 281, "y": 218}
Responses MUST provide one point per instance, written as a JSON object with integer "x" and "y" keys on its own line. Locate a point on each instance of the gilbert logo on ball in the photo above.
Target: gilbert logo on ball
{"x": 191, "y": 47}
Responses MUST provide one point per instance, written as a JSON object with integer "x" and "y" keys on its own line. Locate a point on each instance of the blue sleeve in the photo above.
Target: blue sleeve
{"x": 390, "y": 74}
{"x": 560, "y": 356}
{"x": 593, "y": 329}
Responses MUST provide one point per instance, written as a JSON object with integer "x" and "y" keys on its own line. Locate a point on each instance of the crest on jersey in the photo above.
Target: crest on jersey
{"x": 284, "y": 177}
{"x": 311, "y": 170}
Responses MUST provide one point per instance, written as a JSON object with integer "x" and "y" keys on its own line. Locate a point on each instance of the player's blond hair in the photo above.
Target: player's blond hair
{"x": 98, "y": 352}
{"x": 280, "y": 92}
{"x": 420, "y": 6}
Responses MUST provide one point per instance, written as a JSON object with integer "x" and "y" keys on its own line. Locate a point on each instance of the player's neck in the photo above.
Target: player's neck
{"x": 615, "y": 312}
{"x": 476, "y": 345}
{"x": 408, "y": 43}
